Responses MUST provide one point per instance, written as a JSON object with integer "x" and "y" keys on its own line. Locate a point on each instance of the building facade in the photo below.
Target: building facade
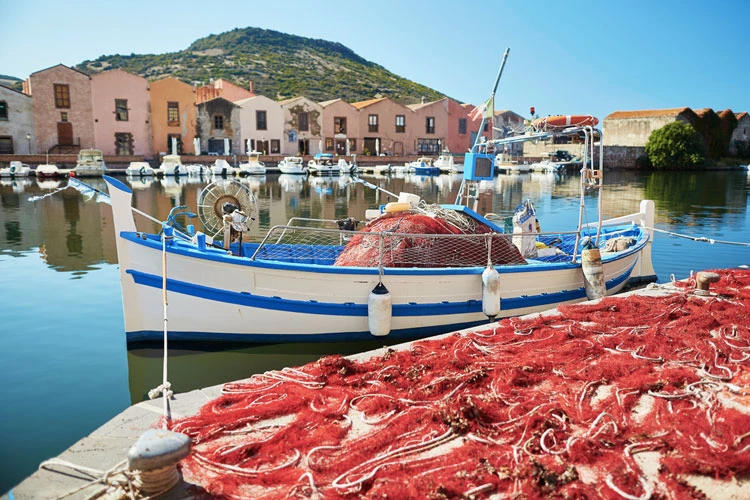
{"x": 633, "y": 128}
{"x": 63, "y": 113}
{"x": 739, "y": 145}
{"x": 386, "y": 127}
{"x": 173, "y": 116}
{"x": 430, "y": 129}
{"x": 262, "y": 123}
{"x": 121, "y": 109}
{"x": 218, "y": 127}
{"x": 302, "y": 127}
{"x": 340, "y": 127}
{"x": 16, "y": 122}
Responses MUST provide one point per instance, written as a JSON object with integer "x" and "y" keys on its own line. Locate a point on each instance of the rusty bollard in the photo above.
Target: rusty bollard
{"x": 703, "y": 280}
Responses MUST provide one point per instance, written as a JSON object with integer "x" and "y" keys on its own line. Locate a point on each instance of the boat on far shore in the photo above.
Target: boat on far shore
{"x": 15, "y": 169}
{"x": 90, "y": 163}
{"x": 446, "y": 163}
{"x": 292, "y": 165}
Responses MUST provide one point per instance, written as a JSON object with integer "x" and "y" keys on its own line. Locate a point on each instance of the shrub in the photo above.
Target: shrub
{"x": 676, "y": 146}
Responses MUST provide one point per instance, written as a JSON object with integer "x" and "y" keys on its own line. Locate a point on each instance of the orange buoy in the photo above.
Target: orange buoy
{"x": 563, "y": 121}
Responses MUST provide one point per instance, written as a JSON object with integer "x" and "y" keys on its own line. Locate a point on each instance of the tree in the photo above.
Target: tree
{"x": 675, "y": 146}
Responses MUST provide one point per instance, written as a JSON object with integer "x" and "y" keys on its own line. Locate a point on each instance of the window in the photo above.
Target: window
{"x": 6, "y": 145}
{"x": 219, "y": 122}
{"x": 352, "y": 145}
{"x": 123, "y": 144}
{"x": 179, "y": 143}
{"x": 430, "y": 125}
{"x": 428, "y": 146}
{"x": 3, "y": 111}
{"x": 62, "y": 95}
{"x": 260, "y": 120}
{"x": 372, "y": 122}
{"x": 400, "y": 124}
{"x": 303, "y": 122}
{"x": 329, "y": 143}
{"x": 63, "y": 117}
{"x": 275, "y": 146}
{"x": 173, "y": 114}
{"x": 121, "y": 110}
{"x": 486, "y": 126}
{"x": 339, "y": 125}
{"x": 462, "y": 126}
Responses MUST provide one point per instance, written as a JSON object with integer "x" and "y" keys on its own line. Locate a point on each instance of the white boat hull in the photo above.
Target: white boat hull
{"x": 215, "y": 296}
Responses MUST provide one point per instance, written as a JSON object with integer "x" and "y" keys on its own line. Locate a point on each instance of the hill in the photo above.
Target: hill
{"x": 279, "y": 65}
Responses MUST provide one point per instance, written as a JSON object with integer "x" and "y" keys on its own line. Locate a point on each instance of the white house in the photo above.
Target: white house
{"x": 261, "y": 124}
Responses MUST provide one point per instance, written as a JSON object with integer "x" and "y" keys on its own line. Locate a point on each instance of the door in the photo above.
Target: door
{"x": 65, "y": 134}
{"x": 303, "y": 146}
{"x": 369, "y": 146}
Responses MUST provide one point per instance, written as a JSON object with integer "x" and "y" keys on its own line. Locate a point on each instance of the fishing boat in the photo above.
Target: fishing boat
{"x": 15, "y": 169}
{"x": 322, "y": 164}
{"x": 422, "y": 166}
{"x": 253, "y": 165}
{"x": 292, "y": 165}
{"x": 139, "y": 169}
{"x": 407, "y": 269}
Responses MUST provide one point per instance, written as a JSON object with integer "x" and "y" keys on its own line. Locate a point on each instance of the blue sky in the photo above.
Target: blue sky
{"x": 566, "y": 57}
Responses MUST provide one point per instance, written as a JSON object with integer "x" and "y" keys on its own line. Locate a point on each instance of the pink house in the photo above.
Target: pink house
{"x": 121, "y": 109}
{"x": 431, "y": 126}
{"x": 63, "y": 116}
{"x": 386, "y": 127}
{"x": 340, "y": 127}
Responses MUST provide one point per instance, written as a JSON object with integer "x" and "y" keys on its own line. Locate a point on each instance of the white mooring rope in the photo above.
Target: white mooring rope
{"x": 698, "y": 238}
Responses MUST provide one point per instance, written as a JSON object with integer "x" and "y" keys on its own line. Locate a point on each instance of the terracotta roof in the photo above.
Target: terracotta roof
{"x": 56, "y": 65}
{"x": 648, "y": 113}
{"x": 741, "y": 115}
{"x": 291, "y": 99}
{"x": 364, "y": 104}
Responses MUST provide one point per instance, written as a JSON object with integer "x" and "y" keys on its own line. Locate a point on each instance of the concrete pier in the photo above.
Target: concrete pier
{"x": 108, "y": 446}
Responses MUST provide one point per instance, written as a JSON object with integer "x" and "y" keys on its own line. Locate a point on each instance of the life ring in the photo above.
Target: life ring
{"x": 396, "y": 206}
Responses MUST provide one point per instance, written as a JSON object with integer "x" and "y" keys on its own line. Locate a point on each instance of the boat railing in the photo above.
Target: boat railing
{"x": 302, "y": 244}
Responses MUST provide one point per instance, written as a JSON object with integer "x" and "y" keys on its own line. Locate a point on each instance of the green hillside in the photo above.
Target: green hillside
{"x": 279, "y": 65}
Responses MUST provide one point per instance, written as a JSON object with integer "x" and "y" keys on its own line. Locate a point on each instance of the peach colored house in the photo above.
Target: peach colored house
{"x": 63, "y": 115}
{"x": 121, "y": 108}
{"x": 173, "y": 115}
{"x": 225, "y": 89}
{"x": 340, "y": 127}
{"x": 261, "y": 125}
{"x": 431, "y": 126}
{"x": 302, "y": 126}
{"x": 474, "y": 124}
{"x": 386, "y": 127}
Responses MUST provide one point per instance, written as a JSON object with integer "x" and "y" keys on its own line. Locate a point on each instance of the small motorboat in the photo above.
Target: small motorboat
{"x": 446, "y": 163}
{"x": 292, "y": 165}
{"x": 90, "y": 163}
{"x": 322, "y": 164}
{"x": 197, "y": 170}
{"x": 223, "y": 168}
{"x": 47, "y": 170}
{"x": 423, "y": 166}
{"x": 346, "y": 167}
{"x": 15, "y": 169}
{"x": 171, "y": 165}
{"x": 139, "y": 169}
{"x": 253, "y": 165}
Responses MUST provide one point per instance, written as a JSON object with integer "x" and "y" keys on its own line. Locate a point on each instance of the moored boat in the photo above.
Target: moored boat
{"x": 292, "y": 165}
{"x": 422, "y": 166}
{"x": 221, "y": 167}
{"x": 171, "y": 165}
{"x": 139, "y": 169}
{"x": 47, "y": 170}
{"x": 90, "y": 163}
{"x": 446, "y": 163}
{"x": 322, "y": 164}
{"x": 15, "y": 169}
{"x": 253, "y": 165}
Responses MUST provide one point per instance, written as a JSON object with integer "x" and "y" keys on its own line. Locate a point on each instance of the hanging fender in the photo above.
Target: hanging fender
{"x": 379, "y": 311}
{"x": 490, "y": 292}
{"x": 593, "y": 273}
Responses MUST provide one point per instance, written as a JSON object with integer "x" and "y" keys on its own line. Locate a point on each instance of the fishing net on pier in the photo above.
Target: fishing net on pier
{"x": 428, "y": 237}
{"x": 624, "y": 398}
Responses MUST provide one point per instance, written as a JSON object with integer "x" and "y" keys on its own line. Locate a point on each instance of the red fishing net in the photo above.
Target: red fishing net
{"x": 401, "y": 248}
{"x": 617, "y": 399}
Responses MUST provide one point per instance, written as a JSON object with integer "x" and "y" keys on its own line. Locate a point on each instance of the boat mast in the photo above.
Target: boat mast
{"x": 475, "y": 147}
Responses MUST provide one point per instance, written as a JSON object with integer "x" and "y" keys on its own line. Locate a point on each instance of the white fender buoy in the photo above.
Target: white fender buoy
{"x": 593, "y": 274}
{"x": 379, "y": 311}
{"x": 490, "y": 292}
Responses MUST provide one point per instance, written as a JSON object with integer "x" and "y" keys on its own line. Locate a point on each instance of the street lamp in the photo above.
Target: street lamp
{"x": 28, "y": 139}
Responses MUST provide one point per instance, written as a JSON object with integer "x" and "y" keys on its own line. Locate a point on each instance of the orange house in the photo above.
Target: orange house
{"x": 173, "y": 115}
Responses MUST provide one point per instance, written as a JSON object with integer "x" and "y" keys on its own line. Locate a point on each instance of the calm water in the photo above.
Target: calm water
{"x": 67, "y": 369}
